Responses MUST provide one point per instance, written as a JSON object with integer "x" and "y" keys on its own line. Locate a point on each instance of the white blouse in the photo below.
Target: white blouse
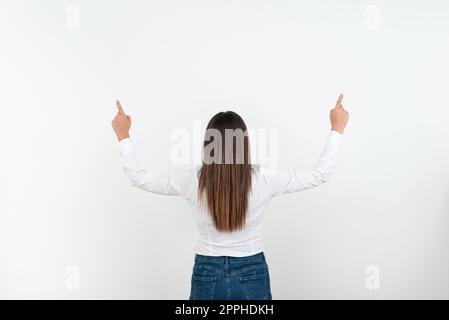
{"x": 265, "y": 186}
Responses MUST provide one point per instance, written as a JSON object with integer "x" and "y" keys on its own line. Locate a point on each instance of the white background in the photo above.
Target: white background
{"x": 71, "y": 225}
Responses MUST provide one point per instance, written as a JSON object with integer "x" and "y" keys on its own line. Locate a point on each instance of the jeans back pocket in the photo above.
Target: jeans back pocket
{"x": 256, "y": 287}
{"x": 203, "y": 287}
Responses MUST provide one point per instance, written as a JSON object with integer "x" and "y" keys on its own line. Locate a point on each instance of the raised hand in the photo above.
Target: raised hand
{"x": 121, "y": 123}
{"x": 339, "y": 116}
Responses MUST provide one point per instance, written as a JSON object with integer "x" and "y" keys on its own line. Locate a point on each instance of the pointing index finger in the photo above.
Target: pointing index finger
{"x": 340, "y": 100}
{"x": 119, "y": 107}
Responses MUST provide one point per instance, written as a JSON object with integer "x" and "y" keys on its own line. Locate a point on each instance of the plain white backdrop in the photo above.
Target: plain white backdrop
{"x": 71, "y": 225}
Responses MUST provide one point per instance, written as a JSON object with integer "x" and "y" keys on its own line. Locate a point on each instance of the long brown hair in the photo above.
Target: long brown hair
{"x": 225, "y": 182}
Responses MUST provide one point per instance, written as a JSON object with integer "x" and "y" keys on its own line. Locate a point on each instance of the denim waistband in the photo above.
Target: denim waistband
{"x": 258, "y": 257}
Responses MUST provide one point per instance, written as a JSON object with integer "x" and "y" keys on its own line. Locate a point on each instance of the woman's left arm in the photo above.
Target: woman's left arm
{"x": 160, "y": 182}
{"x": 154, "y": 181}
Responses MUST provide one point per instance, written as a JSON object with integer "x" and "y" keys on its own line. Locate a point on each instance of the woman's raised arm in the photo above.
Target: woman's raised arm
{"x": 287, "y": 181}
{"x": 178, "y": 182}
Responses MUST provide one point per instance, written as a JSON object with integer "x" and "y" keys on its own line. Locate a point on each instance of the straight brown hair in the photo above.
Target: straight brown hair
{"x": 225, "y": 183}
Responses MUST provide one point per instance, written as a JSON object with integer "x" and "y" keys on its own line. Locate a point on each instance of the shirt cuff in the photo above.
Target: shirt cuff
{"x": 333, "y": 132}
{"x": 126, "y": 146}
{"x": 336, "y": 137}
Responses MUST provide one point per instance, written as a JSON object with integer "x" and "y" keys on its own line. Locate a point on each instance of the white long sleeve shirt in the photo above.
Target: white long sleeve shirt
{"x": 184, "y": 183}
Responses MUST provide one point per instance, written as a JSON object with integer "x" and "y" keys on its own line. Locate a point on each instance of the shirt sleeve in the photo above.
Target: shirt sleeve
{"x": 178, "y": 182}
{"x": 287, "y": 181}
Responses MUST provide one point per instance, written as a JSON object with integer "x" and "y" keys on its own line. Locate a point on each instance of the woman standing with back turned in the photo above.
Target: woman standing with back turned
{"x": 229, "y": 196}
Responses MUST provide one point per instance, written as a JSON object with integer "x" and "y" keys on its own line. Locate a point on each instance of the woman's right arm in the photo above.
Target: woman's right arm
{"x": 287, "y": 181}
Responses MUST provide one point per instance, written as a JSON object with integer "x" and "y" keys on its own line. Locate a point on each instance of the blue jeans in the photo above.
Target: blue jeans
{"x": 230, "y": 278}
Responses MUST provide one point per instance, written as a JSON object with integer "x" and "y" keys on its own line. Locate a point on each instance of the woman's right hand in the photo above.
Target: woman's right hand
{"x": 339, "y": 116}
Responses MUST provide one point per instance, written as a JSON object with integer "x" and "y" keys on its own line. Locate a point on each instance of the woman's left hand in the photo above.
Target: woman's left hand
{"x": 121, "y": 123}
